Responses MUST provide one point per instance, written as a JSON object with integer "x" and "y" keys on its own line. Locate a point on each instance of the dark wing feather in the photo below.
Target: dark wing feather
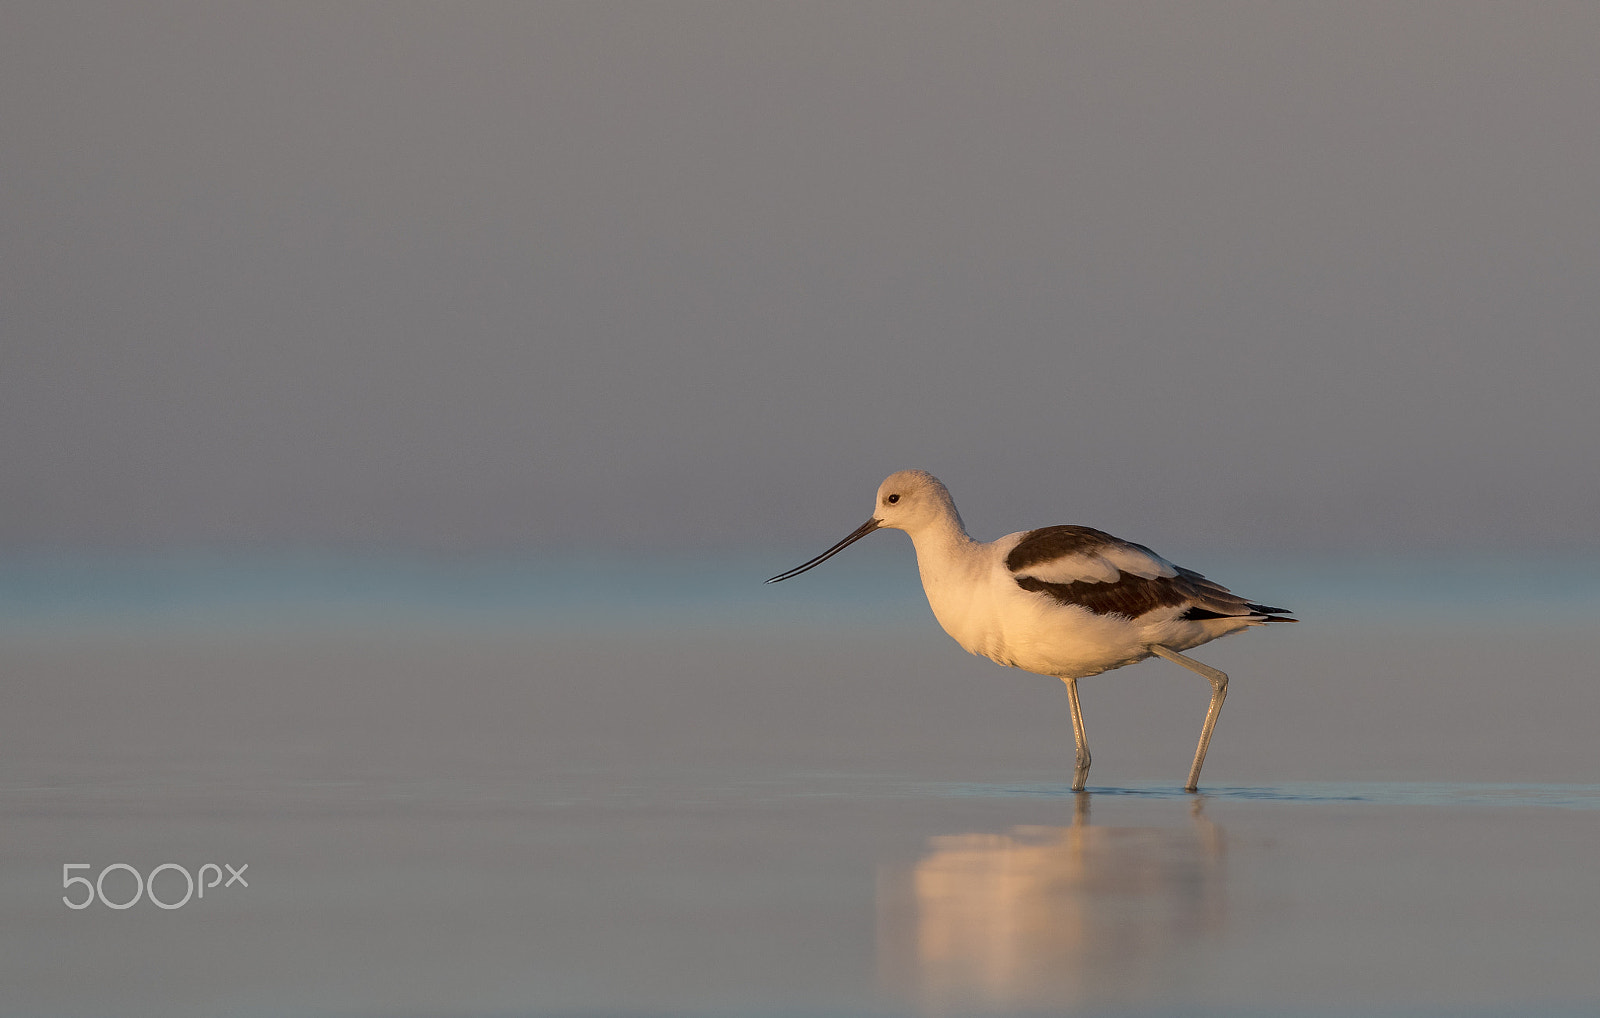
{"x": 1128, "y": 594}
{"x": 1132, "y": 596}
{"x": 1050, "y": 543}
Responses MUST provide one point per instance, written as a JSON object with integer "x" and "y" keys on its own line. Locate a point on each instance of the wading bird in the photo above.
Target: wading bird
{"x": 1066, "y": 601}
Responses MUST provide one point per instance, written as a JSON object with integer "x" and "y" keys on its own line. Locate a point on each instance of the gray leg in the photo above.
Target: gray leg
{"x": 1219, "y": 692}
{"x": 1080, "y": 773}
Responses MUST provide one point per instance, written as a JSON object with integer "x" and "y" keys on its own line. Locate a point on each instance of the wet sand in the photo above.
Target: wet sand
{"x": 475, "y": 821}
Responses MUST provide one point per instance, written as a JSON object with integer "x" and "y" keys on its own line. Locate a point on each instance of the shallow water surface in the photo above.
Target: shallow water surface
{"x": 789, "y": 817}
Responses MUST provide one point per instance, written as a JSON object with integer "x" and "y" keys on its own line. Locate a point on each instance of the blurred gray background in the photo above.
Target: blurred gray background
{"x": 678, "y": 275}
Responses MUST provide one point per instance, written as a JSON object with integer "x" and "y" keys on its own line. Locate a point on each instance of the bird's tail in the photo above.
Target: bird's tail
{"x": 1270, "y": 614}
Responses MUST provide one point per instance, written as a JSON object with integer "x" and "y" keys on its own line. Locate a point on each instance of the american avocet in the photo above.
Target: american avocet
{"x": 1064, "y": 601}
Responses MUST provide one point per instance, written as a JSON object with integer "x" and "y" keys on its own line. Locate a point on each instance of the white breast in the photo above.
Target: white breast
{"x": 977, "y": 601}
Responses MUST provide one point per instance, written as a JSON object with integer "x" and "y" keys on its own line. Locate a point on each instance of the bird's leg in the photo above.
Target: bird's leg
{"x": 1219, "y": 692}
{"x": 1080, "y": 773}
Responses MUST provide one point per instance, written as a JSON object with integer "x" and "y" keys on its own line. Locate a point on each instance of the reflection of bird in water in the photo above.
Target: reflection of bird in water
{"x": 1065, "y": 601}
{"x": 1051, "y": 917}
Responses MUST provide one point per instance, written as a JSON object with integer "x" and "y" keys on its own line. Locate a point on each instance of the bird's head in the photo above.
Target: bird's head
{"x": 908, "y": 500}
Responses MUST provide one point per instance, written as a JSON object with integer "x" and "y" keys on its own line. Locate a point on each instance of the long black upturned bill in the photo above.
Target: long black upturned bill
{"x": 855, "y": 535}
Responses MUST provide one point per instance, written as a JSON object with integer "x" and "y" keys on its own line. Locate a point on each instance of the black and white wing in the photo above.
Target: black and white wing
{"x": 1106, "y": 575}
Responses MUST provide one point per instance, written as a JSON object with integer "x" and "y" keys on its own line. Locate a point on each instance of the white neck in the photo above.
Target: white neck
{"x": 952, "y": 567}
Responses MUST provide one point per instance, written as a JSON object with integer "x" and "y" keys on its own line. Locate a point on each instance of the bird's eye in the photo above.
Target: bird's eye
{"x": 892, "y": 499}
